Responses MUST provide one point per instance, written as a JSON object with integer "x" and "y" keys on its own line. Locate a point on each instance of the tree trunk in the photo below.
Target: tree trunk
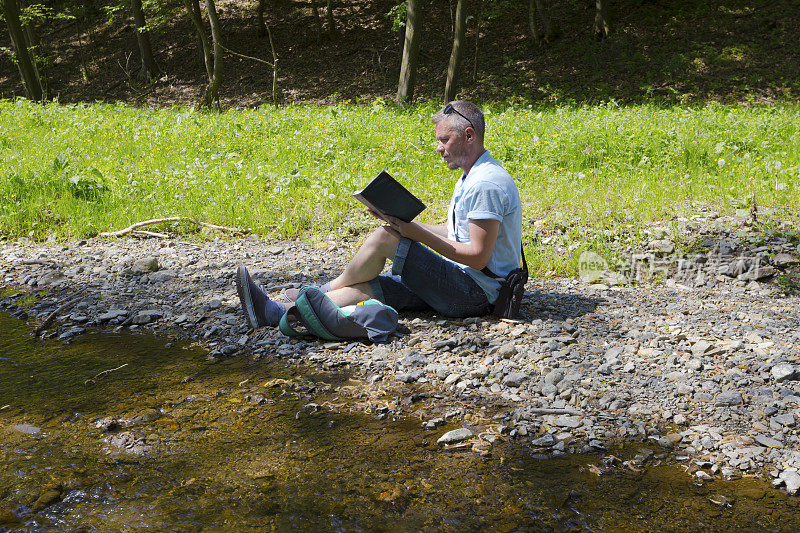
{"x": 331, "y": 22}
{"x": 454, "y": 66}
{"x": 26, "y": 62}
{"x": 601, "y": 27}
{"x": 34, "y": 44}
{"x": 543, "y": 10}
{"x": 535, "y": 34}
{"x": 149, "y": 69}
{"x": 212, "y": 91}
{"x": 317, "y": 19}
{"x": 408, "y": 65}
{"x": 193, "y": 8}
{"x": 262, "y": 26}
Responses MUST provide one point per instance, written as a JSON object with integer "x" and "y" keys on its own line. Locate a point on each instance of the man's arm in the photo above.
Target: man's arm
{"x": 438, "y": 229}
{"x": 476, "y": 253}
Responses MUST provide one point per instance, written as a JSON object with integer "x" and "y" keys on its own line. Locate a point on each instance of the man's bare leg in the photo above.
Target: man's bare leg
{"x": 365, "y": 265}
{"x": 344, "y": 296}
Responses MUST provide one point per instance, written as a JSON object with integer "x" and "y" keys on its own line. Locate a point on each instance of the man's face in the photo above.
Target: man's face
{"x": 451, "y": 146}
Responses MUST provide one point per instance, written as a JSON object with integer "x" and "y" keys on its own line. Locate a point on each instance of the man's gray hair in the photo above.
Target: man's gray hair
{"x": 471, "y": 114}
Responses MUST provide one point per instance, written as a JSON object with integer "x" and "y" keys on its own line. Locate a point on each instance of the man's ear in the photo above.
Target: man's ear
{"x": 469, "y": 134}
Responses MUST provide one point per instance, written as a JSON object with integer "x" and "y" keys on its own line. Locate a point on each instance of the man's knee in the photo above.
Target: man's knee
{"x": 385, "y": 241}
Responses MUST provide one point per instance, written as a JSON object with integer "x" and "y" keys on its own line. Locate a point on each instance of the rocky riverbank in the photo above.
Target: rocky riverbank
{"x": 703, "y": 359}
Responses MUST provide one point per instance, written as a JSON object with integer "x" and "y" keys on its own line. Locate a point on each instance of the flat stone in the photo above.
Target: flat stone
{"x": 111, "y": 315}
{"x": 162, "y": 275}
{"x": 784, "y": 259}
{"x": 456, "y": 435}
{"x": 769, "y": 442}
{"x": 514, "y": 379}
{"x": 26, "y": 429}
{"x": 729, "y": 398}
{"x": 452, "y": 378}
{"x": 701, "y": 348}
{"x": 545, "y": 441}
{"x": 566, "y": 421}
{"x": 784, "y": 420}
{"x": 409, "y": 377}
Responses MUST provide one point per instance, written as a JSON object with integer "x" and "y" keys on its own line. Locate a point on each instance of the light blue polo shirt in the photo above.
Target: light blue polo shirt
{"x": 488, "y": 192}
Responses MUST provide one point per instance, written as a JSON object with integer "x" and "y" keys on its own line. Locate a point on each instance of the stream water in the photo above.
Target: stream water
{"x": 245, "y": 445}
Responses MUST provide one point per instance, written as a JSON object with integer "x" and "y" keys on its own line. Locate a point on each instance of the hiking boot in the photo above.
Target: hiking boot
{"x": 258, "y": 309}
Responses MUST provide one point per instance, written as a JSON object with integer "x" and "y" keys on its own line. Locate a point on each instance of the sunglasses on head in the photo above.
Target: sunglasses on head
{"x": 448, "y": 109}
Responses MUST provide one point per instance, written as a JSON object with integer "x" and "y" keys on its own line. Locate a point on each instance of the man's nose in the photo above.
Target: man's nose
{"x": 440, "y": 148}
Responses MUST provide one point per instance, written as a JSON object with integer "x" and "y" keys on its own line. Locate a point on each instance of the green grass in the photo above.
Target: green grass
{"x": 589, "y": 173}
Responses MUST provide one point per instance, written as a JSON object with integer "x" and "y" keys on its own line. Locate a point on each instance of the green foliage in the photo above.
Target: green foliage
{"x": 398, "y": 14}
{"x": 591, "y": 176}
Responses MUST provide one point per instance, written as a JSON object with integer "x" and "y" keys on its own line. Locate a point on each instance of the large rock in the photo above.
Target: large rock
{"x": 456, "y": 435}
{"x": 51, "y": 278}
{"x": 792, "y": 480}
{"x": 729, "y": 398}
{"x": 783, "y": 372}
{"x": 661, "y": 246}
{"x": 145, "y": 265}
{"x": 145, "y": 317}
{"x": 758, "y": 272}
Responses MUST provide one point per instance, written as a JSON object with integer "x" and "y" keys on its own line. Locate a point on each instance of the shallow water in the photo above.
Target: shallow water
{"x": 239, "y": 448}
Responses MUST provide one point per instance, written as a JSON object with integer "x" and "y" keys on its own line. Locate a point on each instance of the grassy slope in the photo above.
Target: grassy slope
{"x": 77, "y": 170}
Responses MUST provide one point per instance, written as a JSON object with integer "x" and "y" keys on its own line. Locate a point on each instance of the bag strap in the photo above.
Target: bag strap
{"x": 306, "y": 314}
{"x": 524, "y": 263}
{"x": 284, "y": 325}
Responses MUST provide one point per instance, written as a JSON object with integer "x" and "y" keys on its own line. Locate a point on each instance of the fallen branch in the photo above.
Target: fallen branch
{"x": 272, "y": 65}
{"x": 144, "y": 223}
{"x": 47, "y": 321}
{"x": 104, "y": 372}
{"x": 145, "y": 233}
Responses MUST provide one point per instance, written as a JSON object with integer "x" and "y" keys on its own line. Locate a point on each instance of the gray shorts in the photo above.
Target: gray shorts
{"x": 423, "y": 280}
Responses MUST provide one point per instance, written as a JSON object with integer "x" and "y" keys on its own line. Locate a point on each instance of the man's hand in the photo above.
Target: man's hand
{"x": 409, "y": 230}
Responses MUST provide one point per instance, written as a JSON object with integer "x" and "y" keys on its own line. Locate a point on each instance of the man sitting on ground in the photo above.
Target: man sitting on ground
{"x": 449, "y": 268}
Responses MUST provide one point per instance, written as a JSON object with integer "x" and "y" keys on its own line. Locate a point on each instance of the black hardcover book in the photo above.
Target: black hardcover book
{"x": 386, "y": 196}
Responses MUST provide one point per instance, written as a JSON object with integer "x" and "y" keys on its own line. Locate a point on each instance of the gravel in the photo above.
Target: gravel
{"x": 704, "y": 360}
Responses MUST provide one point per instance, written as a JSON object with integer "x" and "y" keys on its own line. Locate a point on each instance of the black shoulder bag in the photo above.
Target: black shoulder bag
{"x": 512, "y": 288}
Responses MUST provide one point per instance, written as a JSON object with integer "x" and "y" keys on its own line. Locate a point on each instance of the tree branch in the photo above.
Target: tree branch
{"x": 138, "y": 225}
